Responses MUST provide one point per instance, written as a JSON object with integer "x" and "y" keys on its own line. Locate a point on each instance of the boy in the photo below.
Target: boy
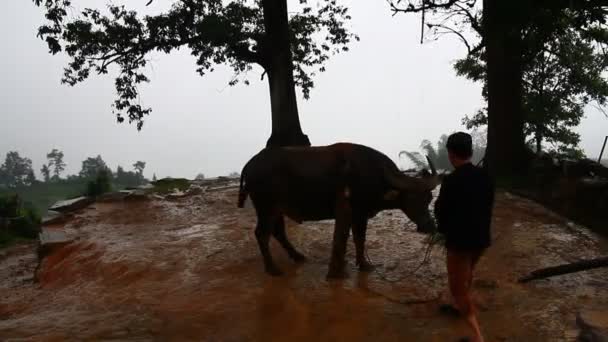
{"x": 464, "y": 213}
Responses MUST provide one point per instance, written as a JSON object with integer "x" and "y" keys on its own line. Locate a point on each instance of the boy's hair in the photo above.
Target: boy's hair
{"x": 461, "y": 145}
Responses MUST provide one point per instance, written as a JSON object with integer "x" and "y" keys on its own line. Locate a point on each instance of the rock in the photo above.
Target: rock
{"x": 221, "y": 188}
{"x": 71, "y": 204}
{"x": 195, "y": 190}
{"x": 113, "y": 196}
{"x": 391, "y": 265}
{"x": 136, "y": 195}
{"x": 593, "y": 325}
{"x": 176, "y": 194}
{"x": 51, "y": 239}
{"x": 53, "y": 217}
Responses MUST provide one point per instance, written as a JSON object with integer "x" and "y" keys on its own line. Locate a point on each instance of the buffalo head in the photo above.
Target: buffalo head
{"x": 413, "y": 195}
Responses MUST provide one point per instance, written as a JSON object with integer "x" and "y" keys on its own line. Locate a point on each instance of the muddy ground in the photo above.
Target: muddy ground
{"x": 189, "y": 269}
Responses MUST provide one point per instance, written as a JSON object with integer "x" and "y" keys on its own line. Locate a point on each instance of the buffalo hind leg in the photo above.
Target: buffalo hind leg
{"x": 359, "y": 232}
{"x": 262, "y": 234}
{"x": 281, "y": 236}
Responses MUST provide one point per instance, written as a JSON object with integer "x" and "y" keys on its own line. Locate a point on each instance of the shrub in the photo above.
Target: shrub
{"x": 17, "y": 219}
{"x": 100, "y": 185}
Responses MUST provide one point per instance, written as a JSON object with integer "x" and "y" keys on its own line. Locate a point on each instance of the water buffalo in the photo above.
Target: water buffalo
{"x": 346, "y": 182}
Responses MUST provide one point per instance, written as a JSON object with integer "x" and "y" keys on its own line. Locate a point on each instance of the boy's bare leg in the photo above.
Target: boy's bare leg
{"x": 460, "y": 268}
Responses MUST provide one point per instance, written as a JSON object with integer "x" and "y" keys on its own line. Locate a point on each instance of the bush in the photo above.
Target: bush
{"x": 17, "y": 219}
{"x": 167, "y": 185}
{"x": 101, "y": 184}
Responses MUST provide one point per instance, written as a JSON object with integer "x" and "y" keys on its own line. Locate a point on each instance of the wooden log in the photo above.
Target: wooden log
{"x": 574, "y": 267}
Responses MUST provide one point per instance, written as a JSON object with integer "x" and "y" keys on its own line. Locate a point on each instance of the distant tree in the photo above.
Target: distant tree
{"x": 92, "y": 166}
{"x": 290, "y": 46}
{"x": 154, "y": 177}
{"x": 139, "y": 167}
{"x": 73, "y": 178}
{"x": 130, "y": 178}
{"x": 17, "y": 171}
{"x": 3, "y": 178}
{"x": 46, "y": 173}
{"x": 55, "y": 158}
{"x": 200, "y": 176}
{"x": 480, "y": 142}
{"x": 234, "y": 175}
{"x": 30, "y": 178}
{"x": 120, "y": 172}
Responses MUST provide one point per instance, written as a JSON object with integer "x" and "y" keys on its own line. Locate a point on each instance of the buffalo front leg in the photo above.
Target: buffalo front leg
{"x": 341, "y": 233}
{"x": 359, "y": 232}
{"x": 281, "y": 236}
{"x": 262, "y": 234}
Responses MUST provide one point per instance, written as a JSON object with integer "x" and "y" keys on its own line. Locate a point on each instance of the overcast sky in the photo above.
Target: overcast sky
{"x": 388, "y": 92}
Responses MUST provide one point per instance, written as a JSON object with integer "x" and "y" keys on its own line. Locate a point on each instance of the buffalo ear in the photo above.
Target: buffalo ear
{"x": 391, "y": 195}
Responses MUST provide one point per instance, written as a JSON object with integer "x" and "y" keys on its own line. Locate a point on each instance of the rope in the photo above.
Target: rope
{"x": 433, "y": 240}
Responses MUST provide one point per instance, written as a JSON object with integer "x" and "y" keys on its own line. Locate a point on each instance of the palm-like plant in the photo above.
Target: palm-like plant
{"x": 439, "y": 154}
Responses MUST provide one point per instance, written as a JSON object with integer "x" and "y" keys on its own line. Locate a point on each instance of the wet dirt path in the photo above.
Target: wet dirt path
{"x": 189, "y": 269}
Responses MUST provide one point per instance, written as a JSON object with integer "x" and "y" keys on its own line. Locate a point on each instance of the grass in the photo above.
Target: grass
{"x": 44, "y": 195}
{"x": 36, "y": 200}
{"x": 7, "y": 239}
{"x": 167, "y": 185}
{"x": 18, "y": 220}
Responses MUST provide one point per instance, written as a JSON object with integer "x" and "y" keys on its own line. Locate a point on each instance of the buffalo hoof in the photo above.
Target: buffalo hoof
{"x": 274, "y": 271}
{"x": 366, "y": 267}
{"x": 299, "y": 258}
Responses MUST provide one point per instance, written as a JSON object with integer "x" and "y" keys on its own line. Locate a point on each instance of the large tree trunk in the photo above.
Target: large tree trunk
{"x": 506, "y": 153}
{"x": 286, "y": 129}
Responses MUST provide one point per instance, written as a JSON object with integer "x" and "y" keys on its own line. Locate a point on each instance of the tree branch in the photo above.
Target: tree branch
{"x": 575, "y": 4}
{"x": 426, "y": 5}
{"x": 453, "y": 31}
{"x": 600, "y": 109}
{"x": 475, "y": 24}
{"x": 476, "y": 49}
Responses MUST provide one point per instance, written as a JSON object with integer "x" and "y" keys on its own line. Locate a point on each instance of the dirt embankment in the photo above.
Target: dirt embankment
{"x": 189, "y": 269}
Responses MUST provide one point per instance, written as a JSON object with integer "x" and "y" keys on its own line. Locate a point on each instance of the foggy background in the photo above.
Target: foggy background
{"x": 388, "y": 92}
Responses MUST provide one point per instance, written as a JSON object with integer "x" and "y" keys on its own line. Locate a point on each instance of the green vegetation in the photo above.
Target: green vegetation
{"x": 291, "y": 46}
{"x": 17, "y": 178}
{"x": 16, "y": 171}
{"x": 563, "y": 73}
{"x": 100, "y": 185}
{"x": 43, "y": 195}
{"x": 18, "y": 220}
{"x": 540, "y": 63}
{"x": 167, "y": 185}
{"x": 439, "y": 154}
